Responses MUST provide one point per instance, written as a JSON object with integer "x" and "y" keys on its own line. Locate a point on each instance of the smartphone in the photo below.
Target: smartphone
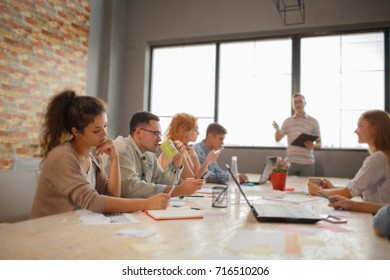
{"x": 333, "y": 219}
{"x": 327, "y": 197}
{"x": 205, "y": 175}
{"x": 219, "y": 150}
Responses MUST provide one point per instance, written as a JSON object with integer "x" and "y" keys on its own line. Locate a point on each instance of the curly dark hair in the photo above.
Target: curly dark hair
{"x": 65, "y": 111}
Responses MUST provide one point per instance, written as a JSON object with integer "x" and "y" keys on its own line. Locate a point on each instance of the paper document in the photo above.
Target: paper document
{"x": 139, "y": 233}
{"x": 91, "y": 218}
{"x": 177, "y": 201}
{"x": 205, "y": 190}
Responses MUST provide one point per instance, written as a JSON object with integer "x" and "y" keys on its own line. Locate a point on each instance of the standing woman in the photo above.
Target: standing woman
{"x": 71, "y": 176}
{"x": 184, "y": 128}
{"x": 372, "y": 181}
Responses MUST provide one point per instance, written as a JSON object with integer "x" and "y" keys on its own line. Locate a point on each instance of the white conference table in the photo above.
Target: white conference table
{"x": 230, "y": 233}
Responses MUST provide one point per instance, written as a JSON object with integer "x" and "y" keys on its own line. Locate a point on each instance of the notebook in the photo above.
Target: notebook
{"x": 174, "y": 214}
{"x": 267, "y": 169}
{"x": 279, "y": 213}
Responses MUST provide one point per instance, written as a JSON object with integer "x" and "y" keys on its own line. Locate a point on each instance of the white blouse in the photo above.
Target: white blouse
{"x": 91, "y": 174}
{"x": 373, "y": 179}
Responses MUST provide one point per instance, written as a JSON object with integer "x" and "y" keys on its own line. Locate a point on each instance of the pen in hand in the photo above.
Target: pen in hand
{"x": 172, "y": 189}
{"x": 327, "y": 197}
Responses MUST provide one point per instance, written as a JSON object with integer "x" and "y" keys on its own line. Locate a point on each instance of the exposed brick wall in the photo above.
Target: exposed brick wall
{"x": 44, "y": 47}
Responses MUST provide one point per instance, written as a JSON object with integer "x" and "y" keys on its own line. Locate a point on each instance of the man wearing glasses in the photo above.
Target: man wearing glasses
{"x": 301, "y": 158}
{"x": 142, "y": 176}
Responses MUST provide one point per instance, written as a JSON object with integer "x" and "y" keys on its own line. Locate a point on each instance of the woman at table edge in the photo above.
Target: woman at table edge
{"x": 372, "y": 181}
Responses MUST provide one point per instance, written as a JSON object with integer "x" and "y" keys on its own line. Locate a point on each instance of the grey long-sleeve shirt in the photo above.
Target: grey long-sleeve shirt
{"x": 141, "y": 174}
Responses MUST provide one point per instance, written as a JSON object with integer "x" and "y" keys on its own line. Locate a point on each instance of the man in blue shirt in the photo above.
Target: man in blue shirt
{"x": 382, "y": 222}
{"x": 215, "y": 135}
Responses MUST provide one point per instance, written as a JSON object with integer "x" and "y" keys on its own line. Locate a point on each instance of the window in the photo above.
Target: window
{"x": 183, "y": 80}
{"x": 341, "y": 76}
{"x": 254, "y": 90}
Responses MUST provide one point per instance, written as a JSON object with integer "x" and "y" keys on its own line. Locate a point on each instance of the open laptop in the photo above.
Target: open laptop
{"x": 267, "y": 169}
{"x": 279, "y": 213}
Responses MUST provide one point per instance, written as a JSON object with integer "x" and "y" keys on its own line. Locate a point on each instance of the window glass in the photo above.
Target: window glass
{"x": 342, "y": 76}
{"x": 183, "y": 80}
{"x": 254, "y": 90}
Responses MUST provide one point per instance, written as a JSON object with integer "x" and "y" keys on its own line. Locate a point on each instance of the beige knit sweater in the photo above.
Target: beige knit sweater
{"x": 63, "y": 187}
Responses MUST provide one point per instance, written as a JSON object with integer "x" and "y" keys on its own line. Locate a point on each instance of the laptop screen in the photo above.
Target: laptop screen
{"x": 285, "y": 213}
{"x": 238, "y": 185}
{"x": 267, "y": 170}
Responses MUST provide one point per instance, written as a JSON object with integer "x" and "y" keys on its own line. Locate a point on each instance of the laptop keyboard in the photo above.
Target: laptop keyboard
{"x": 281, "y": 210}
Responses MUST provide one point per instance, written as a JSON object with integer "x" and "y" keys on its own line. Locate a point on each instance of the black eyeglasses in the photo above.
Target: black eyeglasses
{"x": 156, "y": 133}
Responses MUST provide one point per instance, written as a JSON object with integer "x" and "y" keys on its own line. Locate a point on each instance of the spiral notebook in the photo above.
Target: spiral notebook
{"x": 174, "y": 214}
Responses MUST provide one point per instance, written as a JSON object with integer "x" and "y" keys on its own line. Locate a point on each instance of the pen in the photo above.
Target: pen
{"x": 327, "y": 197}
{"x": 195, "y": 208}
{"x": 173, "y": 187}
{"x": 195, "y": 196}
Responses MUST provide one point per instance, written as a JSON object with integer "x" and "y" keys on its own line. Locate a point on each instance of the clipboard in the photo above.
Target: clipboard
{"x": 300, "y": 140}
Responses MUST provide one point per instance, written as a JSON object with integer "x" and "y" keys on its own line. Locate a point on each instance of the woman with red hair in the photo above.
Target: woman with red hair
{"x": 184, "y": 128}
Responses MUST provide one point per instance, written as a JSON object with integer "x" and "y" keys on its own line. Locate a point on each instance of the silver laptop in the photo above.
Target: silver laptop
{"x": 279, "y": 213}
{"x": 267, "y": 169}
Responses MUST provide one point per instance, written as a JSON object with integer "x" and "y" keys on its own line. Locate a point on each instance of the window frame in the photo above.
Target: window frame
{"x": 296, "y": 66}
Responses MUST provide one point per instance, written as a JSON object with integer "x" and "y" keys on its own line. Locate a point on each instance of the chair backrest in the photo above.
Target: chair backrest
{"x": 26, "y": 163}
{"x": 17, "y": 191}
